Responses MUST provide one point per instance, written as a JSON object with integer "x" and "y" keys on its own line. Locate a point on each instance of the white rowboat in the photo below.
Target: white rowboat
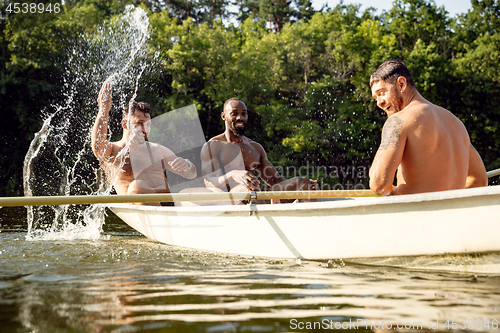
{"x": 448, "y": 222}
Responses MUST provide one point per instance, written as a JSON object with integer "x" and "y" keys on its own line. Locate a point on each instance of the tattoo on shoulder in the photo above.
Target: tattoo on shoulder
{"x": 391, "y": 133}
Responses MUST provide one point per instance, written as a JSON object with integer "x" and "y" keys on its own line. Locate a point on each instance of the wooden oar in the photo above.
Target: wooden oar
{"x": 171, "y": 197}
{"x": 493, "y": 173}
{"x": 178, "y": 197}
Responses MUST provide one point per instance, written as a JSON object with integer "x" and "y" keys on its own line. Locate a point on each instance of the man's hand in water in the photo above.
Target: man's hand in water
{"x": 246, "y": 179}
{"x": 104, "y": 99}
{"x": 180, "y": 164}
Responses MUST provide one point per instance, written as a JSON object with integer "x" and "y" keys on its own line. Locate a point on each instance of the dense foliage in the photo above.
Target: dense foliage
{"x": 303, "y": 74}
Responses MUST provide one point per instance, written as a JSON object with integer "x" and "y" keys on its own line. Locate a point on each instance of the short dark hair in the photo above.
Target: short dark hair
{"x": 230, "y": 100}
{"x": 389, "y": 71}
{"x": 140, "y": 106}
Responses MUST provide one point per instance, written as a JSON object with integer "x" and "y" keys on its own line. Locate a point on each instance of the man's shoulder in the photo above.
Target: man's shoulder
{"x": 255, "y": 144}
{"x": 121, "y": 143}
{"x": 422, "y": 108}
{"x": 219, "y": 142}
{"x": 414, "y": 115}
{"x": 425, "y": 113}
{"x": 161, "y": 148}
{"x": 214, "y": 145}
{"x": 394, "y": 127}
{"x": 218, "y": 138}
{"x": 414, "y": 110}
{"x": 116, "y": 147}
{"x": 221, "y": 139}
{"x": 155, "y": 145}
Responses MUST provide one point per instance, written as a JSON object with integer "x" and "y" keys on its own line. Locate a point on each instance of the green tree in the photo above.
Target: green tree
{"x": 198, "y": 10}
{"x": 33, "y": 52}
{"x": 484, "y": 18}
{"x": 479, "y": 104}
{"x": 328, "y": 120}
{"x": 247, "y": 9}
{"x": 305, "y": 10}
{"x": 275, "y": 12}
{"x": 413, "y": 20}
{"x": 27, "y": 85}
{"x": 476, "y": 77}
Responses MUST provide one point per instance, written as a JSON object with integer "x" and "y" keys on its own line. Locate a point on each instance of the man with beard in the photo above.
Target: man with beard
{"x": 135, "y": 165}
{"x": 229, "y": 160}
{"x": 427, "y": 145}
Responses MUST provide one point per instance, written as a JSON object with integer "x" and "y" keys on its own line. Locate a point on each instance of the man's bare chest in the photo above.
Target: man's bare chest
{"x": 137, "y": 162}
{"x": 239, "y": 156}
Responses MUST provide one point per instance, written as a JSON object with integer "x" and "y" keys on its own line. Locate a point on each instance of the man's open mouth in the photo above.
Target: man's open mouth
{"x": 140, "y": 134}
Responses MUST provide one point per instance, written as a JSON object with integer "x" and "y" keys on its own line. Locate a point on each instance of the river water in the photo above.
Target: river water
{"x": 67, "y": 269}
{"x": 122, "y": 282}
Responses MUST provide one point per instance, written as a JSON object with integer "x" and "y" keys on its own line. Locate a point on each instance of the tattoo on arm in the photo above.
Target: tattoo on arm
{"x": 391, "y": 133}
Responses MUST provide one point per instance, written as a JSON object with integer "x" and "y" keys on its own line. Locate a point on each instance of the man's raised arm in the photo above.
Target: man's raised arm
{"x": 101, "y": 147}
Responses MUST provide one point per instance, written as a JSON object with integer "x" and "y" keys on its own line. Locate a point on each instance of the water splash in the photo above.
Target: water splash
{"x": 60, "y": 160}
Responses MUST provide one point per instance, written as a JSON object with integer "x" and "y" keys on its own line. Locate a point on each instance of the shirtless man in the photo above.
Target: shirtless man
{"x": 229, "y": 159}
{"x": 135, "y": 165}
{"x": 425, "y": 143}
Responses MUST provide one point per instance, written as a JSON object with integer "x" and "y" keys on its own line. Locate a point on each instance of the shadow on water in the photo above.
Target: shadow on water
{"x": 13, "y": 219}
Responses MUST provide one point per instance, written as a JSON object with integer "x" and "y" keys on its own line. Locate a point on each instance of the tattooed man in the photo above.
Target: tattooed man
{"x": 426, "y": 144}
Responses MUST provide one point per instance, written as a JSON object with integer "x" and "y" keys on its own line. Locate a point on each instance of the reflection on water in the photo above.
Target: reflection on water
{"x": 123, "y": 282}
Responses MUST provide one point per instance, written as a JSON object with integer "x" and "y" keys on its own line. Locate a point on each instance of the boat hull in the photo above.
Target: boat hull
{"x": 460, "y": 221}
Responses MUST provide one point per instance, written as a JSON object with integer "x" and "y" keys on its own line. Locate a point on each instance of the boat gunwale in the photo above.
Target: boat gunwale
{"x": 333, "y": 203}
